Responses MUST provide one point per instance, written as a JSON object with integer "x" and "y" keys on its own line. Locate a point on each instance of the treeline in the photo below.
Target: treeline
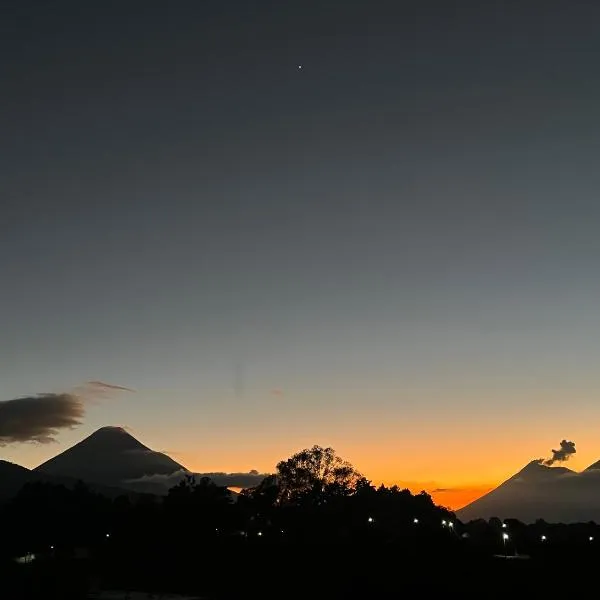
{"x": 315, "y": 513}
{"x": 313, "y": 496}
{"x": 315, "y": 529}
{"x": 511, "y": 537}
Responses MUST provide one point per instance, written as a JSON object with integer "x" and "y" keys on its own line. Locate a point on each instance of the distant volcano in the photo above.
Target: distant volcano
{"x": 555, "y": 494}
{"x": 109, "y": 456}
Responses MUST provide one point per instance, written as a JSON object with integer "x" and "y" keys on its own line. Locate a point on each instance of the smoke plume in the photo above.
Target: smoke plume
{"x": 39, "y": 418}
{"x": 563, "y": 453}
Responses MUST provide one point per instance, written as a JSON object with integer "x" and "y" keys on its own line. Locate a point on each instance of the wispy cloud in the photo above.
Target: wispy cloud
{"x": 95, "y": 390}
{"x": 109, "y": 386}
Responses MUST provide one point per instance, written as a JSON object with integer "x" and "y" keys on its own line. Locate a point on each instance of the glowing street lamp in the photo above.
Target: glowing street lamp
{"x": 450, "y": 524}
{"x": 543, "y": 538}
{"x": 504, "y": 525}
{"x": 443, "y": 523}
{"x": 371, "y": 520}
{"x": 416, "y": 521}
{"x": 505, "y": 538}
{"x": 591, "y": 538}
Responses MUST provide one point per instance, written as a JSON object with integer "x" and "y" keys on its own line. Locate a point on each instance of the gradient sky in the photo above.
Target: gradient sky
{"x": 393, "y": 250}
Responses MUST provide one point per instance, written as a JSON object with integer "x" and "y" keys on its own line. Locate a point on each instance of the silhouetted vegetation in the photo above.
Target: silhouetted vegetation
{"x": 315, "y": 529}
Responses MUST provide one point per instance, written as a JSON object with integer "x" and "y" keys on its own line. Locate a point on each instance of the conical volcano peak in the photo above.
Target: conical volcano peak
{"x": 110, "y": 456}
{"x": 112, "y": 431}
{"x": 114, "y": 438}
{"x": 538, "y": 469}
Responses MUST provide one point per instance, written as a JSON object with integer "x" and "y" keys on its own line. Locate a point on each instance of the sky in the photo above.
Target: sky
{"x": 391, "y": 250}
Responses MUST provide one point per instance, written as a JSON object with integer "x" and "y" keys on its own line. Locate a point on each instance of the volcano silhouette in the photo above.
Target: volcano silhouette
{"x": 538, "y": 491}
{"x": 109, "y": 456}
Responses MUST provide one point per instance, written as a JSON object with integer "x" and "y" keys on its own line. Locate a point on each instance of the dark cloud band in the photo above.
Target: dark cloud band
{"x": 39, "y": 418}
{"x": 240, "y": 480}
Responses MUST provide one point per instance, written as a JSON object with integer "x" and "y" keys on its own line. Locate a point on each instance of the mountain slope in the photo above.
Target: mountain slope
{"x": 13, "y": 477}
{"x": 109, "y": 456}
{"x": 555, "y": 494}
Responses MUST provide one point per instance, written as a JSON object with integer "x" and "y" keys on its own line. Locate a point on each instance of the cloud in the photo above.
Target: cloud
{"x": 39, "y": 418}
{"x": 102, "y": 385}
{"x": 96, "y": 390}
{"x": 239, "y": 480}
{"x": 566, "y": 450}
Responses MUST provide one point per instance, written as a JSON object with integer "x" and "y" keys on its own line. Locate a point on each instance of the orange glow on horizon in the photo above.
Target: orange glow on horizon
{"x": 457, "y": 498}
{"x": 451, "y": 460}
{"x": 452, "y": 497}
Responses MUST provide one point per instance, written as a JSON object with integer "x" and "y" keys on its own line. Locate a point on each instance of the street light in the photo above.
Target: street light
{"x": 504, "y": 525}
{"x": 591, "y": 538}
{"x": 370, "y": 519}
{"x": 443, "y": 523}
{"x": 450, "y": 524}
{"x": 416, "y": 521}
{"x": 543, "y": 538}
{"x": 505, "y": 538}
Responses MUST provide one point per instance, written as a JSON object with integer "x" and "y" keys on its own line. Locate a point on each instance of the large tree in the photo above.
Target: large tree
{"x": 314, "y": 474}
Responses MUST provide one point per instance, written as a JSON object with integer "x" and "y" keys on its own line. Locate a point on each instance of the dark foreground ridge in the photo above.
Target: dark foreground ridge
{"x": 314, "y": 529}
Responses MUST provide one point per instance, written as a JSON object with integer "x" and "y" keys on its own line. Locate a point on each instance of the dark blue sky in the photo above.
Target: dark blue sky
{"x": 400, "y": 235}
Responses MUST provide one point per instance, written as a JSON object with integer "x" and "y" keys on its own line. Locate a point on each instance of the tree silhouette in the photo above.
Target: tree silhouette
{"x": 314, "y": 475}
{"x": 200, "y": 505}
